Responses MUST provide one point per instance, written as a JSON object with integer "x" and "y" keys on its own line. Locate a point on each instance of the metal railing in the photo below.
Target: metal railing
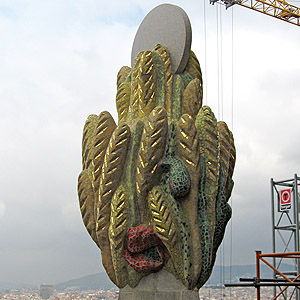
{"x": 280, "y": 279}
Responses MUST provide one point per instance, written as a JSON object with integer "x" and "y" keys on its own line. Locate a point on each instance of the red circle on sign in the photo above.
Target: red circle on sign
{"x": 285, "y": 197}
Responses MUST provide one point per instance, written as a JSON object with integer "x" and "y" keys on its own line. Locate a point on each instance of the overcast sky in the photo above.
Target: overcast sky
{"x": 58, "y": 64}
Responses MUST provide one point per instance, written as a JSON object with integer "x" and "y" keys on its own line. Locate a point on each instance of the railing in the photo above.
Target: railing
{"x": 280, "y": 281}
{"x": 288, "y": 281}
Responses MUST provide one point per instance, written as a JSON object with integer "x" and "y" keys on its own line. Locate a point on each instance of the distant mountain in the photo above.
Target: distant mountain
{"x": 234, "y": 273}
{"x": 16, "y": 286}
{"x": 220, "y": 275}
{"x": 90, "y": 282}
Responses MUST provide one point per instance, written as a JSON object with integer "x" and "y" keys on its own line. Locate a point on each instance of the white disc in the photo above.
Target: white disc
{"x": 169, "y": 26}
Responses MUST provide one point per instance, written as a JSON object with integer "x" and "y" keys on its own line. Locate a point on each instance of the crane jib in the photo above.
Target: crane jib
{"x": 279, "y": 9}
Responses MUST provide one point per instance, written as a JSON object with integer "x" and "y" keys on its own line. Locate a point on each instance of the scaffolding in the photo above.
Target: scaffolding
{"x": 281, "y": 280}
{"x": 285, "y": 224}
{"x": 285, "y": 243}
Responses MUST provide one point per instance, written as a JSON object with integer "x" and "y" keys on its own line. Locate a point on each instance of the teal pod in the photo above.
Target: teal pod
{"x": 179, "y": 177}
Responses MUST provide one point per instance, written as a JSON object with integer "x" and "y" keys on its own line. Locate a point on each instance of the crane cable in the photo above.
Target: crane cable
{"x": 232, "y": 98}
{"x": 206, "y": 85}
{"x": 220, "y": 113}
{"x": 221, "y": 108}
{"x": 221, "y": 62}
{"x": 218, "y": 60}
{"x": 221, "y": 116}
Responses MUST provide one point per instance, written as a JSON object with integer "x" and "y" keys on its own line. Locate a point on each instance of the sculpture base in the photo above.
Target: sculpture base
{"x": 158, "y": 286}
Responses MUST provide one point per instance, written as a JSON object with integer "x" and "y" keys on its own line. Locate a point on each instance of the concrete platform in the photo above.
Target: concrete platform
{"x": 158, "y": 286}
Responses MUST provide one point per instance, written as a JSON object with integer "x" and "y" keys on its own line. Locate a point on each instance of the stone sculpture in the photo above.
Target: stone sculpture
{"x": 153, "y": 189}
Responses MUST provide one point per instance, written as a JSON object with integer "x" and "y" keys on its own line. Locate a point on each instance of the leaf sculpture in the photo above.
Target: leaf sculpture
{"x": 122, "y": 75}
{"x": 111, "y": 174}
{"x": 88, "y": 141}
{"x": 86, "y": 191}
{"x": 103, "y": 131}
{"x": 168, "y": 76}
{"x": 164, "y": 225}
{"x": 86, "y": 203}
{"x": 154, "y": 190}
{"x": 150, "y": 154}
{"x": 143, "y": 86}
{"x": 123, "y": 92}
{"x": 183, "y": 231}
{"x": 123, "y": 99}
{"x": 223, "y": 210}
{"x": 192, "y": 98}
{"x": 129, "y": 185}
{"x": 178, "y": 87}
{"x": 229, "y": 181}
{"x": 206, "y": 125}
{"x": 117, "y": 233}
{"x": 225, "y": 147}
{"x": 193, "y": 68}
{"x": 189, "y": 152}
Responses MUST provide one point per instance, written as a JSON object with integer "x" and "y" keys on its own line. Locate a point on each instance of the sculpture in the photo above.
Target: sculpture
{"x": 153, "y": 189}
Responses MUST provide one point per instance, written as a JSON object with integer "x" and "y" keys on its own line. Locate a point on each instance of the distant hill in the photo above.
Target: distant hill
{"x": 16, "y": 286}
{"x": 99, "y": 281}
{"x": 90, "y": 282}
{"x": 219, "y": 276}
{"x": 233, "y": 274}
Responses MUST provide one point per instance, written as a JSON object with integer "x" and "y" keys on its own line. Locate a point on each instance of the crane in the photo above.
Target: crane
{"x": 279, "y": 9}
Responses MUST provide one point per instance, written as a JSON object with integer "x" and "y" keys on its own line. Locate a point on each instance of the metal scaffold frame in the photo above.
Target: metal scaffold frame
{"x": 281, "y": 281}
{"x": 285, "y": 242}
{"x": 285, "y": 223}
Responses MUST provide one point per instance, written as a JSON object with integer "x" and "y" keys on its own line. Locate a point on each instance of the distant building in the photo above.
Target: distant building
{"x": 46, "y": 291}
